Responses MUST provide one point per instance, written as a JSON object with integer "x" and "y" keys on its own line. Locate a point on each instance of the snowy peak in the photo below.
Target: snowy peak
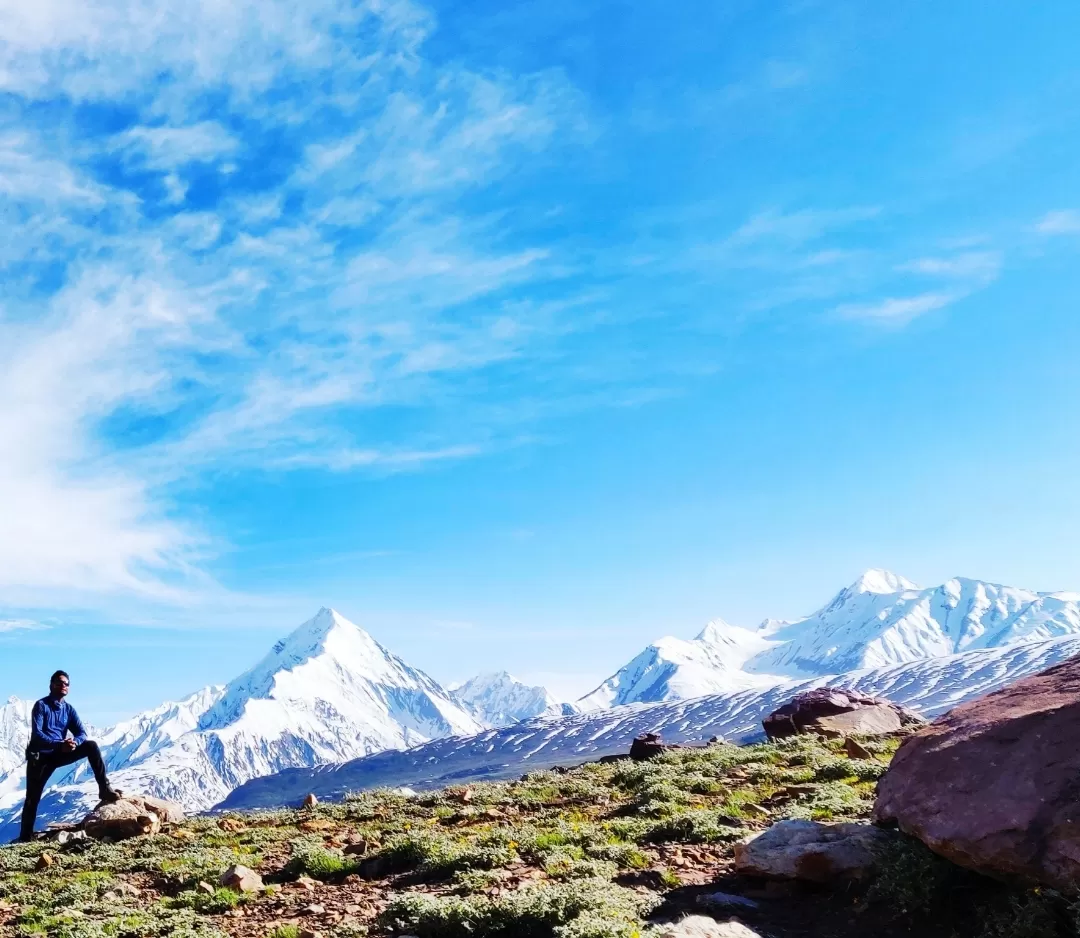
{"x": 675, "y": 669}
{"x": 881, "y": 620}
{"x": 499, "y": 699}
{"x": 877, "y": 580}
{"x": 14, "y": 732}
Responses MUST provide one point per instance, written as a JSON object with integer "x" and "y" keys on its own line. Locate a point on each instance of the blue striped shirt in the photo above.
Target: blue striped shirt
{"x": 50, "y": 723}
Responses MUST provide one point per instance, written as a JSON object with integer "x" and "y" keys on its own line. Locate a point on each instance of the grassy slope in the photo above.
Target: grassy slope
{"x": 588, "y": 853}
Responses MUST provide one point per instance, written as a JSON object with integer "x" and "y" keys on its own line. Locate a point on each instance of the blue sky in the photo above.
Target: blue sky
{"x": 522, "y": 333}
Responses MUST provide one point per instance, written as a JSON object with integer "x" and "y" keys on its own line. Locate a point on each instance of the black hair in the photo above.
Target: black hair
{"x": 57, "y": 674}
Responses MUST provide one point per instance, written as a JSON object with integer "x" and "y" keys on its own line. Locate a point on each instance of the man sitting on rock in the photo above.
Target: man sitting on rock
{"x": 51, "y": 748}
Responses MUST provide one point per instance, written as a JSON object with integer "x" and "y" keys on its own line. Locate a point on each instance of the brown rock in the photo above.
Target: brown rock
{"x": 241, "y": 879}
{"x": 43, "y": 862}
{"x": 648, "y": 746}
{"x": 205, "y": 887}
{"x": 131, "y": 816}
{"x": 230, "y": 825}
{"x": 359, "y": 848}
{"x": 834, "y": 711}
{"x": 310, "y": 801}
{"x": 807, "y": 850}
{"x": 992, "y": 785}
{"x": 856, "y": 750}
{"x": 314, "y": 909}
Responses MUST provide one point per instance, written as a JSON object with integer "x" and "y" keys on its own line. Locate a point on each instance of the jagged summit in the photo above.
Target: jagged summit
{"x": 500, "y": 699}
{"x": 880, "y": 620}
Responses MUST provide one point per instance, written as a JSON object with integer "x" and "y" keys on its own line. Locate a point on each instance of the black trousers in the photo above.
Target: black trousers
{"x": 39, "y": 769}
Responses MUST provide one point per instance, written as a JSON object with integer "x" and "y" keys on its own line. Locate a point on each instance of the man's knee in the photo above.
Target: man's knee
{"x": 90, "y": 747}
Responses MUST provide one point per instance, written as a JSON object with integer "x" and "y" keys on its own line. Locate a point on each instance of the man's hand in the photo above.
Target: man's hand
{"x": 68, "y": 745}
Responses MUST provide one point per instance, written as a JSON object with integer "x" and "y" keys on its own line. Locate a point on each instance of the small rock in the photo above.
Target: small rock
{"x": 310, "y": 801}
{"x": 856, "y": 750}
{"x": 807, "y": 850}
{"x": 306, "y": 882}
{"x": 727, "y": 902}
{"x": 230, "y": 825}
{"x": 66, "y": 837}
{"x": 700, "y": 926}
{"x": 308, "y": 933}
{"x": 314, "y": 909}
{"x": 358, "y": 848}
{"x": 648, "y": 746}
{"x": 205, "y": 887}
{"x": 241, "y": 879}
{"x": 44, "y": 862}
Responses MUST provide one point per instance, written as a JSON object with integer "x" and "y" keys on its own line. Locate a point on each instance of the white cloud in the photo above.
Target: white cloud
{"x": 980, "y": 266}
{"x": 19, "y": 625}
{"x": 171, "y": 147}
{"x": 800, "y": 226}
{"x": 898, "y": 310}
{"x": 1063, "y": 222}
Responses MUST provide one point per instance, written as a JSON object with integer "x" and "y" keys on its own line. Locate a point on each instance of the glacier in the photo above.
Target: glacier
{"x": 499, "y": 699}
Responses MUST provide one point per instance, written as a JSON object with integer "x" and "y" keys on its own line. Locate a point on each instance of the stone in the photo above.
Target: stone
{"x": 205, "y": 887}
{"x": 811, "y": 851}
{"x": 727, "y": 902}
{"x": 241, "y": 879}
{"x": 131, "y": 816}
{"x": 311, "y": 800}
{"x": 700, "y": 926}
{"x": 648, "y": 746}
{"x": 856, "y": 750}
{"x": 835, "y": 712}
{"x": 314, "y": 909}
{"x": 992, "y": 785}
{"x": 63, "y": 838}
{"x": 43, "y": 862}
{"x": 356, "y": 849}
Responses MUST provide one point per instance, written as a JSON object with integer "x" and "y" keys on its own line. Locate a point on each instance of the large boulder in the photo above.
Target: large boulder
{"x": 994, "y": 784}
{"x": 837, "y": 711}
{"x": 131, "y": 816}
{"x": 808, "y": 850}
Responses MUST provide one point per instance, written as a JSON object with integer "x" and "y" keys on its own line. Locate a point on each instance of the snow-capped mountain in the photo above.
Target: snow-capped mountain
{"x": 930, "y": 686}
{"x": 500, "y": 699}
{"x": 14, "y": 732}
{"x": 880, "y": 620}
{"x": 326, "y": 693}
{"x": 674, "y": 669}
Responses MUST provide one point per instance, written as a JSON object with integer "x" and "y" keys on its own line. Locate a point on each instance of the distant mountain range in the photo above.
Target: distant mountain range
{"x": 880, "y": 620}
{"x": 499, "y": 700}
{"x": 930, "y": 686}
{"x": 329, "y": 693}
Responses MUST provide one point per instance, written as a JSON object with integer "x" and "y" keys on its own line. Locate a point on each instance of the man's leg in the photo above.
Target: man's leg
{"x": 92, "y": 754}
{"x": 37, "y": 774}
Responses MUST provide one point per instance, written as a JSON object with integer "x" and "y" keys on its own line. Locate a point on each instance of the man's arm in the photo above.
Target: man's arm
{"x": 38, "y": 741}
{"x": 75, "y": 726}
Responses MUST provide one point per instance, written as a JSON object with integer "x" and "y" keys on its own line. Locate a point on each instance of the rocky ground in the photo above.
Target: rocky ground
{"x": 610, "y": 850}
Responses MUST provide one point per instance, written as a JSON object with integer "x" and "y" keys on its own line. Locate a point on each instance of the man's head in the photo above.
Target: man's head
{"x": 59, "y": 684}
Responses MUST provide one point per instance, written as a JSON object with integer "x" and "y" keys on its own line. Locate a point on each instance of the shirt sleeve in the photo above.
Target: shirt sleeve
{"x": 38, "y": 739}
{"x": 76, "y": 726}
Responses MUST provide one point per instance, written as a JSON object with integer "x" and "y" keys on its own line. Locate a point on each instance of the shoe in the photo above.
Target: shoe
{"x": 109, "y": 795}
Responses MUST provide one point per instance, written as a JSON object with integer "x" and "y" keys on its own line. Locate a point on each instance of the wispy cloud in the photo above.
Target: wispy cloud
{"x": 897, "y": 310}
{"x": 211, "y": 312}
{"x": 21, "y": 625}
{"x": 1061, "y": 222}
